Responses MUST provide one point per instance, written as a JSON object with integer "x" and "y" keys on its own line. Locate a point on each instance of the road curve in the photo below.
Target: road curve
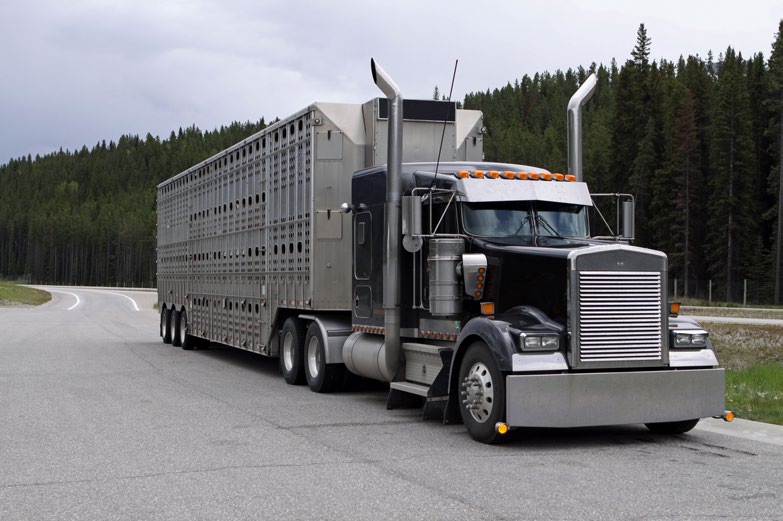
{"x": 101, "y": 420}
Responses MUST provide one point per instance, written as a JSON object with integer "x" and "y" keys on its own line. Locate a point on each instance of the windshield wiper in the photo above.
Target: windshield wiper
{"x": 548, "y": 227}
{"x": 525, "y": 221}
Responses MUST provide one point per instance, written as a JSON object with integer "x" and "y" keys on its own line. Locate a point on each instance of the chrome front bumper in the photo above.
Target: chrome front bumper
{"x": 592, "y": 399}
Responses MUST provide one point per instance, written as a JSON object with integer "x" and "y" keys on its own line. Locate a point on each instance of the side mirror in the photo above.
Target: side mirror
{"x": 628, "y": 220}
{"x": 411, "y": 223}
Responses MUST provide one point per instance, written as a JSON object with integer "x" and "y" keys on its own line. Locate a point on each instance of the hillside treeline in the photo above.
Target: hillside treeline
{"x": 88, "y": 217}
{"x": 696, "y": 141}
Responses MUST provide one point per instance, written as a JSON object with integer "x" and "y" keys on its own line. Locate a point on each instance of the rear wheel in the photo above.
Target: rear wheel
{"x": 672, "y": 427}
{"x": 176, "y": 338}
{"x": 291, "y": 351}
{"x": 321, "y": 377}
{"x": 187, "y": 341}
{"x": 482, "y": 393}
{"x": 165, "y": 325}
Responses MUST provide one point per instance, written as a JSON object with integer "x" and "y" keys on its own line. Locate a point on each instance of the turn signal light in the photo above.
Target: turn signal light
{"x": 487, "y": 308}
{"x": 674, "y": 309}
{"x": 501, "y": 428}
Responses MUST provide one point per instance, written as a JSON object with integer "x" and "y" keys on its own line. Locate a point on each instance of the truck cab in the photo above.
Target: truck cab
{"x": 524, "y": 317}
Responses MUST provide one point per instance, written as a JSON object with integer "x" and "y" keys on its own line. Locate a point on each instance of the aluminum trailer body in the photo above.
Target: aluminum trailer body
{"x": 255, "y": 234}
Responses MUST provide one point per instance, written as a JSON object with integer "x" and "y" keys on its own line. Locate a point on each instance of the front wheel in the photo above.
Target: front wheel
{"x": 321, "y": 377}
{"x": 482, "y": 393}
{"x": 680, "y": 427}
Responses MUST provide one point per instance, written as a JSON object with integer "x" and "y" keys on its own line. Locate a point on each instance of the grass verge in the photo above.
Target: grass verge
{"x": 753, "y": 358}
{"x": 11, "y": 294}
{"x": 756, "y": 393}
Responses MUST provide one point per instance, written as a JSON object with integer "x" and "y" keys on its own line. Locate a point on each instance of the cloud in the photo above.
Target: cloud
{"x": 78, "y": 72}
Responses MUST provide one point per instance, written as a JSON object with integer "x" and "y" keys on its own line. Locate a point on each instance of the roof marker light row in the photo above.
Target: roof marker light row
{"x": 495, "y": 174}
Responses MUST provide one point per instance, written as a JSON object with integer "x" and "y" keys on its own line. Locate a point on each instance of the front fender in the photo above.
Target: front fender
{"x": 496, "y": 334}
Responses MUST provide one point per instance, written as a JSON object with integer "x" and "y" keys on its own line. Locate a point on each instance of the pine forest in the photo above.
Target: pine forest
{"x": 696, "y": 141}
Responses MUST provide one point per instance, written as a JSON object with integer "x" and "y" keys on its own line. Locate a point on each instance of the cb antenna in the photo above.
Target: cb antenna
{"x": 445, "y": 121}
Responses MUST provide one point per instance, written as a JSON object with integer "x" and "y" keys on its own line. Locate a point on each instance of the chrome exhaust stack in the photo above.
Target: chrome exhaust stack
{"x": 580, "y": 97}
{"x": 391, "y": 248}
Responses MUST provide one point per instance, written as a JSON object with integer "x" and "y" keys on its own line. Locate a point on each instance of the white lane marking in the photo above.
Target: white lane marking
{"x": 127, "y": 297}
{"x": 78, "y": 300}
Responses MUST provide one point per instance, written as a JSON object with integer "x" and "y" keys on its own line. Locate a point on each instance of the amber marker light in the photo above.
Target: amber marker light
{"x": 533, "y": 175}
{"x": 493, "y": 174}
{"x": 521, "y": 175}
{"x": 546, "y": 177}
{"x": 558, "y": 177}
{"x": 674, "y": 309}
{"x": 570, "y": 177}
{"x": 478, "y": 174}
{"x": 462, "y": 174}
{"x": 508, "y": 175}
{"x": 487, "y": 308}
{"x": 501, "y": 428}
{"x": 728, "y": 416}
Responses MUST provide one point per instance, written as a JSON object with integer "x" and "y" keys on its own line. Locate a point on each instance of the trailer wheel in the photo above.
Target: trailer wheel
{"x": 176, "y": 340}
{"x": 187, "y": 341}
{"x": 291, "y": 351}
{"x": 165, "y": 325}
{"x": 321, "y": 377}
{"x": 482, "y": 393}
{"x": 672, "y": 427}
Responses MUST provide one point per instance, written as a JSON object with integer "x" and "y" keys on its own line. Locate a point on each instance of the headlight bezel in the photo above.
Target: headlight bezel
{"x": 689, "y": 339}
{"x": 535, "y": 342}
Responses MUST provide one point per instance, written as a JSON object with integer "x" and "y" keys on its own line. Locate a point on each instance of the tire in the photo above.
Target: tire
{"x": 187, "y": 341}
{"x": 321, "y": 377}
{"x": 291, "y": 351}
{"x": 165, "y": 325}
{"x": 484, "y": 391}
{"x": 176, "y": 338}
{"x": 680, "y": 427}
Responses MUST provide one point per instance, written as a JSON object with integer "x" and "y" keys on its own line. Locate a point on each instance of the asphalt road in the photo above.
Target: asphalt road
{"x": 100, "y": 420}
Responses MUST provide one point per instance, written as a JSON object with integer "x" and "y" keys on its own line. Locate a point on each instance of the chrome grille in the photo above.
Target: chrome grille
{"x": 620, "y": 316}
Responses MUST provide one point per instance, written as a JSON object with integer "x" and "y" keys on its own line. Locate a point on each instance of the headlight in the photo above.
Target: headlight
{"x": 690, "y": 339}
{"x": 540, "y": 342}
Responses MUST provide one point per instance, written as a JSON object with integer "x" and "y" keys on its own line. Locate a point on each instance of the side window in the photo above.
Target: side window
{"x": 445, "y": 223}
{"x": 362, "y": 245}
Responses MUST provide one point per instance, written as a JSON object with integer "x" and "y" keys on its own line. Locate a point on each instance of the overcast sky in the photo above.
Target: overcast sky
{"x": 76, "y": 72}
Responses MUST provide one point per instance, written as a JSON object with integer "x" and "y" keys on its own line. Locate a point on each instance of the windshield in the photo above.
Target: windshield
{"x": 524, "y": 219}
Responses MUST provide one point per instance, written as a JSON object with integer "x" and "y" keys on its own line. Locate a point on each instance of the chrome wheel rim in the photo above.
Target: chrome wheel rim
{"x": 478, "y": 391}
{"x": 288, "y": 351}
{"x": 182, "y": 327}
{"x": 313, "y": 357}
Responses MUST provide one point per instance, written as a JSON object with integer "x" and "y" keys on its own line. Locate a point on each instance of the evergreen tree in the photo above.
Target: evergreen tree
{"x": 775, "y": 134}
{"x": 732, "y": 203}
